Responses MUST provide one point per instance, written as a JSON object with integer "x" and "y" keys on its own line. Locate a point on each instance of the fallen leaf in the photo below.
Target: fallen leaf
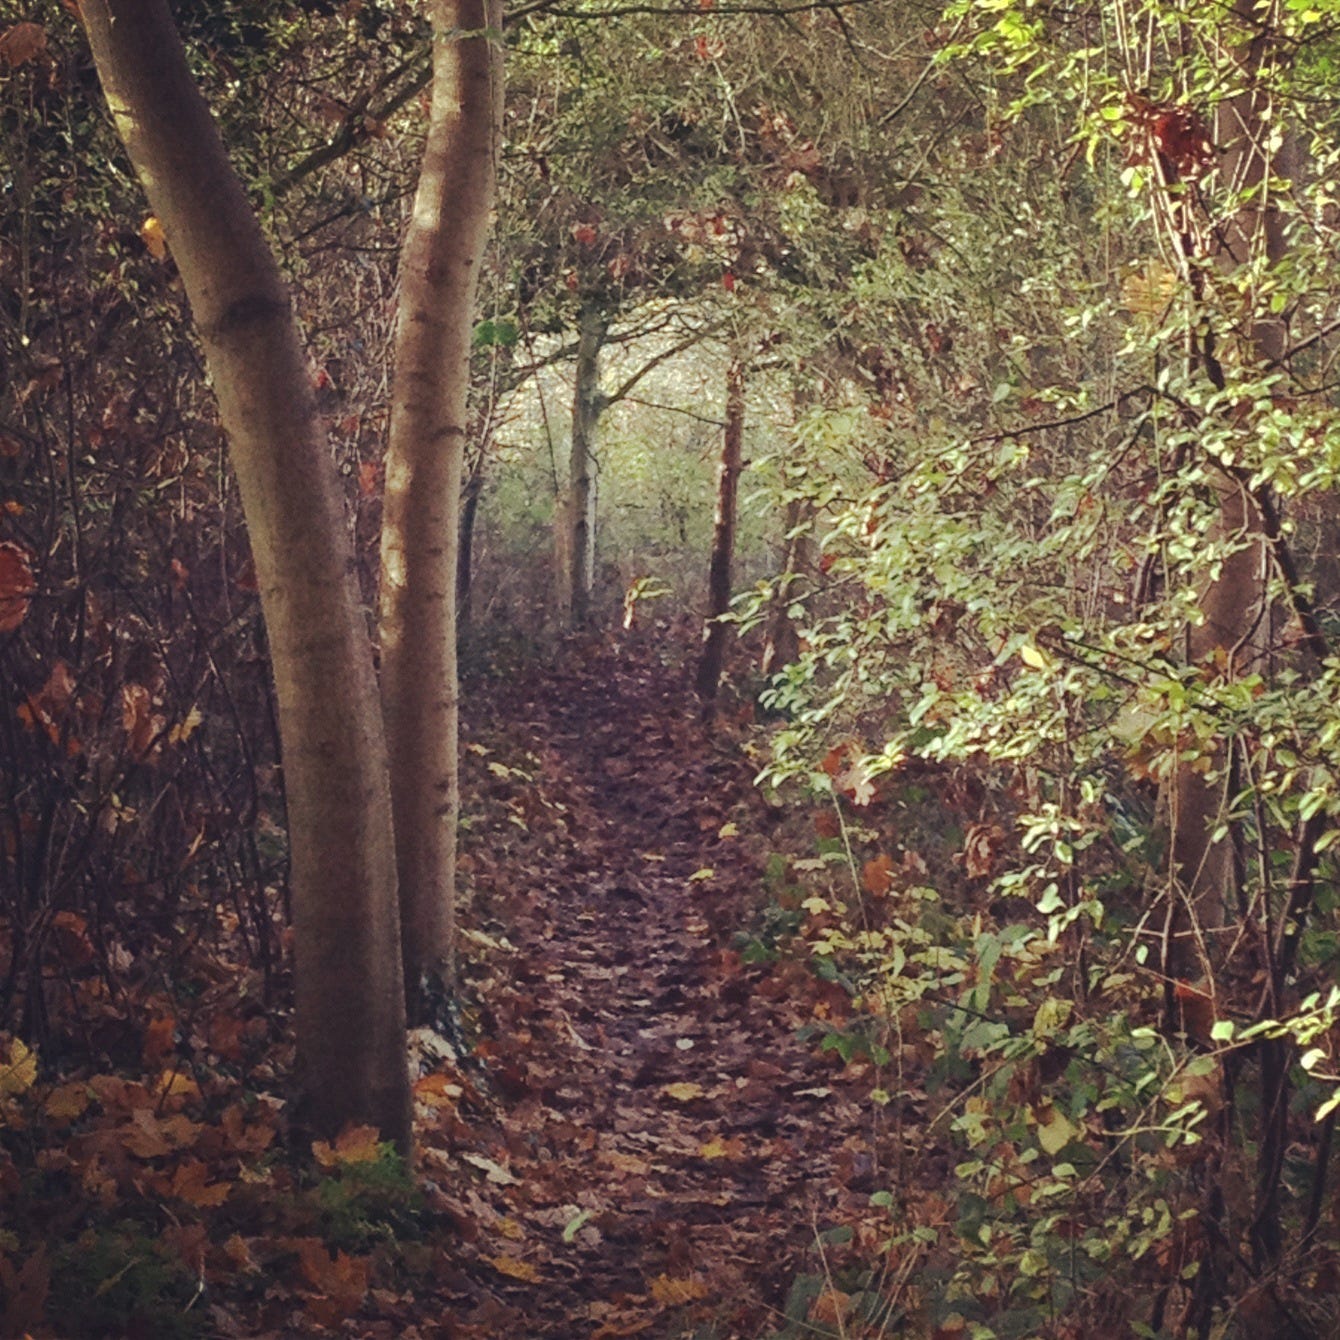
{"x": 683, "y": 1092}
{"x": 717, "y": 1148}
{"x": 354, "y": 1144}
{"x": 16, "y": 585}
{"x": 19, "y": 1074}
{"x": 672, "y": 1292}
{"x": 191, "y": 1183}
{"x": 495, "y": 1172}
{"x": 515, "y": 1268}
{"x": 699, "y": 875}
{"x": 68, "y": 1102}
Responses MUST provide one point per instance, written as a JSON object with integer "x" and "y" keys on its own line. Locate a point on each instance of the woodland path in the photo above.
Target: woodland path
{"x": 644, "y": 1090}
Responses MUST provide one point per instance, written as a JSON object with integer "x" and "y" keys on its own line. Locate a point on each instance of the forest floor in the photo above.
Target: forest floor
{"x": 633, "y": 1129}
{"x": 670, "y": 1158}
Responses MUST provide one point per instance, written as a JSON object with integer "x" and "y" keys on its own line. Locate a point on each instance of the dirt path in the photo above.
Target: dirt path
{"x": 665, "y": 1150}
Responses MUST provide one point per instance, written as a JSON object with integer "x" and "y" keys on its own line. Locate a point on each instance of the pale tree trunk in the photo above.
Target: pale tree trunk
{"x": 438, "y": 276}
{"x": 577, "y": 515}
{"x": 717, "y": 632}
{"x": 349, "y": 995}
{"x": 781, "y": 642}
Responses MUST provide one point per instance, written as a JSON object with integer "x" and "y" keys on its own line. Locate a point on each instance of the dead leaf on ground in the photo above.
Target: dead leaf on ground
{"x": 515, "y": 1268}
{"x": 684, "y": 1092}
{"x": 675, "y": 1292}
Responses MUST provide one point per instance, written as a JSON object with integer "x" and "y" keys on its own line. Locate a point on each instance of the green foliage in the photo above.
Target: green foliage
{"x": 120, "y": 1280}
{"x": 363, "y": 1204}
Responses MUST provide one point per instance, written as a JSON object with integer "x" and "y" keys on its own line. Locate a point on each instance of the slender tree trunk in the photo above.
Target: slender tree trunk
{"x": 717, "y": 632}
{"x": 781, "y": 642}
{"x": 350, "y": 1008}
{"x": 578, "y": 513}
{"x": 474, "y": 486}
{"x": 438, "y": 275}
{"x": 1234, "y": 602}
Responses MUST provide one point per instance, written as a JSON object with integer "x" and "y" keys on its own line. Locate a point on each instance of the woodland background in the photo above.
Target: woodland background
{"x": 1000, "y": 337}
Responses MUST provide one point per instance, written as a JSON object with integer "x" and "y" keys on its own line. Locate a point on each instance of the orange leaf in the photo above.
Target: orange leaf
{"x": 16, "y": 585}
{"x": 675, "y": 1292}
{"x": 191, "y": 1183}
{"x": 159, "y": 1039}
{"x": 354, "y": 1144}
{"x": 878, "y": 875}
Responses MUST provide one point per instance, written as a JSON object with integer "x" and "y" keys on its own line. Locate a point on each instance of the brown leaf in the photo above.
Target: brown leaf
{"x": 16, "y": 585}
{"x": 191, "y": 1183}
{"x": 22, "y": 43}
{"x": 877, "y": 875}
{"x": 981, "y": 845}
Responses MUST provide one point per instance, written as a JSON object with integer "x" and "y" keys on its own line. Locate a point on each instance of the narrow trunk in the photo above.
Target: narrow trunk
{"x": 717, "y": 632}
{"x": 1234, "y": 601}
{"x": 350, "y": 1008}
{"x": 474, "y": 486}
{"x": 781, "y": 643}
{"x": 438, "y": 274}
{"x": 578, "y": 515}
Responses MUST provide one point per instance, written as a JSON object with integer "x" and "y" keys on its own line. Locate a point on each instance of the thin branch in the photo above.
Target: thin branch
{"x": 695, "y": 337}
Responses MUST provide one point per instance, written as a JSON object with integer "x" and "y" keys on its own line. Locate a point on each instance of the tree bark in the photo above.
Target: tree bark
{"x": 1233, "y": 603}
{"x": 349, "y": 994}
{"x": 438, "y": 277}
{"x": 474, "y": 486}
{"x": 781, "y": 642}
{"x": 578, "y": 512}
{"x": 717, "y": 632}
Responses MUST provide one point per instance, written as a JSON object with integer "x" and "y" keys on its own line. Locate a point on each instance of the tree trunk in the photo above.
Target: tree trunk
{"x": 578, "y": 512}
{"x": 350, "y": 1008}
{"x": 474, "y": 486}
{"x": 717, "y": 632}
{"x": 781, "y": 642}
{"x": 1234, "y": 603}
{"x": 438, "y": 274}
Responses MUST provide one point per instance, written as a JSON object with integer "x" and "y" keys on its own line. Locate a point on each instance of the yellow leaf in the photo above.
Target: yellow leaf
{"x": 674, "y": 1292}
{"x": 722, "y": 1149}
{"x": 699, "y": 875}
{"x": 354, "y": 1144}
{"x": 186, "y": 727}
{"x": 517, "y": 1269}
{"x": 684, "y": 1092}
{"x": 1034, "y": 657}
{"x": 728, "y": 831}
{"x": 20, "y": 1073}
{"x": 153, "y": 237}
{"x": 1055, "y": 1131}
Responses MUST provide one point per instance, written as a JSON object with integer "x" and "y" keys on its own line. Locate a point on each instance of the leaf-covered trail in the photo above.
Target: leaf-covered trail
{"x": 661, "y": 1149}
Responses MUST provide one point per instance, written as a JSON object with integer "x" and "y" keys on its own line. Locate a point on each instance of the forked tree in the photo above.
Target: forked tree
{"x": 350, "y": 985}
